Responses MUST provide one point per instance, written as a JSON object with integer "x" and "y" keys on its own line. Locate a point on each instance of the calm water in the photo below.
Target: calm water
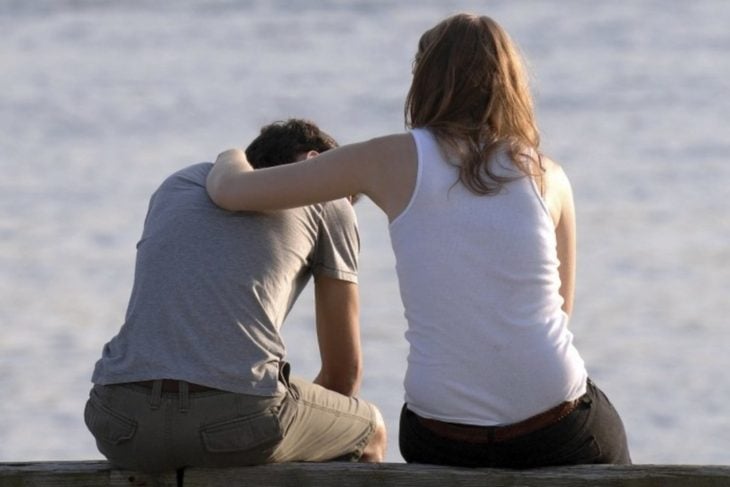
{"x": 101, "y": 100}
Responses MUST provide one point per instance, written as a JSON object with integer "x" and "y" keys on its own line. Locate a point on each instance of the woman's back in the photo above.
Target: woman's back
{"x": 480, "y": 285}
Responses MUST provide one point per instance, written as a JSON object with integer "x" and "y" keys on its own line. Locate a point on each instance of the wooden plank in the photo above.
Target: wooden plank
{"x": 125, "y": 478}
{"x": 77, "y": 474}
{"x": 100, "y": 473}
{"x": 402, "y": 475}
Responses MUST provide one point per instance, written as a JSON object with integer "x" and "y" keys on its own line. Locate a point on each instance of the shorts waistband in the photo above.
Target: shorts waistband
{"x": 175, "y": 386}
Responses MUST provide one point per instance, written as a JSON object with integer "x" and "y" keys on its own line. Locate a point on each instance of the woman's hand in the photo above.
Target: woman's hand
{"x": 227, "y": 166}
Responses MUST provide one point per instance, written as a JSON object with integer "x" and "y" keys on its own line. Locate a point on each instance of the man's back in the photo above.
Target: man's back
{"x": 212, "y": 287}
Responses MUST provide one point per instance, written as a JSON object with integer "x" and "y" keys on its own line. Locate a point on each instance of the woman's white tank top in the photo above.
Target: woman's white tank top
{"x": 478, "y": 276}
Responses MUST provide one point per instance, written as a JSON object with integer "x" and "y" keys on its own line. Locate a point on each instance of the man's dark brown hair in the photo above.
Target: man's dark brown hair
{"x": 282, "y": 142}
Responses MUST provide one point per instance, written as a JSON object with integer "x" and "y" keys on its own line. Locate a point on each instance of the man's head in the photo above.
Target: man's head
{"x": 287, "y": 141}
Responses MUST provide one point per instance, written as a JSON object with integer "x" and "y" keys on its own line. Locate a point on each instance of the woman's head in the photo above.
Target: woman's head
{"x": 470, "y": 88}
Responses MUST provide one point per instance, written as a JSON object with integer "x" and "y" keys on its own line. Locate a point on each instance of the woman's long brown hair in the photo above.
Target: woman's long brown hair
{"x": 470, "y": 89}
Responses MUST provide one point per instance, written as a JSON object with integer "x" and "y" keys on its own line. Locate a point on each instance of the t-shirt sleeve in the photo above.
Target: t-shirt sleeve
{"x": 338, "y": 242}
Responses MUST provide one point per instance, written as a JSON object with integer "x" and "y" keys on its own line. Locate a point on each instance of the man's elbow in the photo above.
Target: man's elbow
{"x": 354, "y": 380}
{"x": 345, "y": 379}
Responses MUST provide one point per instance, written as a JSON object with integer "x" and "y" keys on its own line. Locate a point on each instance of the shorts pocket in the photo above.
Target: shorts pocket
{"x": 108, "y": 425}
{"x": 241, "y": 434}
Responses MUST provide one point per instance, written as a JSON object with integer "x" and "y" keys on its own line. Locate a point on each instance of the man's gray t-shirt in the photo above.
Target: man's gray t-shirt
{"x": 212, "y": 287}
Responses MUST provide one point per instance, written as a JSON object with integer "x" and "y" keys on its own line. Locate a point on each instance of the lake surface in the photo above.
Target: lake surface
{"x": 101, "y": 100}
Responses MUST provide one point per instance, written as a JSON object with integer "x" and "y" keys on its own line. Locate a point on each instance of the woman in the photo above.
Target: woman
{"x": 483, "y": 230}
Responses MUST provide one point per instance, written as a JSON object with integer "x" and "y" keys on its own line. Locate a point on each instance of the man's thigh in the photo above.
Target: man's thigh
{"x": 325, "y": 425}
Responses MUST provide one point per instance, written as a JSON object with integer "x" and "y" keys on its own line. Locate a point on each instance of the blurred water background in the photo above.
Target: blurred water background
{"x": 100, "y": 100}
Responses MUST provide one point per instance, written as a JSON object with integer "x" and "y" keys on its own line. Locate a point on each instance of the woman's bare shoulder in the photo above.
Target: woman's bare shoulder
{"x": 393, "y": 171}
{"x": 553, "y": 171}
{"x": 558, "y": 192}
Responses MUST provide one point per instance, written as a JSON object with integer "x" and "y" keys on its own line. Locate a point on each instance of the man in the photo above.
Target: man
{"x": 196, "y": 375}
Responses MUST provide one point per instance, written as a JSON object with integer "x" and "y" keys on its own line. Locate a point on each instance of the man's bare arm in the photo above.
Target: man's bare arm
{"x": 338, "y": 332}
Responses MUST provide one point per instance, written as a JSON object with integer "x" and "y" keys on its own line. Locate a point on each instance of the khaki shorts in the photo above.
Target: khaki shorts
{"x": 139, "y": 428}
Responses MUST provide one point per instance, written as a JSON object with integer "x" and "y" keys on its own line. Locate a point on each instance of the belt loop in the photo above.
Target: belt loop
{"x": 284, "y": 368}
{"x": 156, "y": 394}
{"x": 184, "y": 396}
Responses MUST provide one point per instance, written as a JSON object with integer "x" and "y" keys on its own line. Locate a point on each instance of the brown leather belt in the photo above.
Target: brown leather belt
{"x": 495, "y": 434}
{"x": 171, "y": 385}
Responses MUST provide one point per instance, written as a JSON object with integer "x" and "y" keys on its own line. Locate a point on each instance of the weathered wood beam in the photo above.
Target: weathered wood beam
{"x": 403, "y": 475}
{"x": 78, "y": 474}
{"x": 100, "y": 473}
